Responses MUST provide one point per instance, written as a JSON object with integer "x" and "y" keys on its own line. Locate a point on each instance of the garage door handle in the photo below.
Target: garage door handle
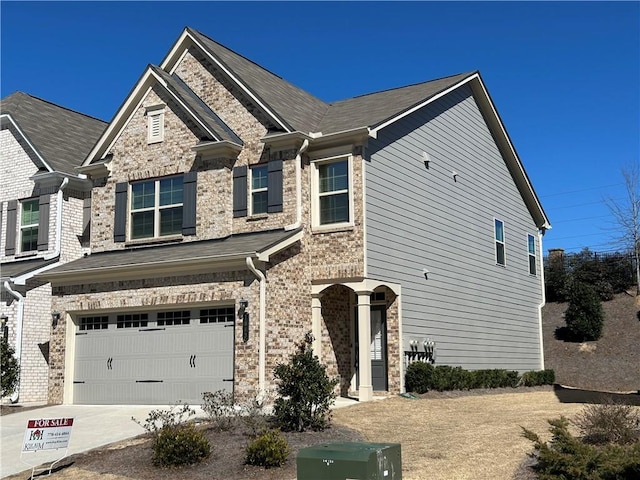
{"x": 149, "y": 381}
{"x": 110, "y": 363}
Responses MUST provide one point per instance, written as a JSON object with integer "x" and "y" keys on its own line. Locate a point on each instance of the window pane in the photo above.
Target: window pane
{"x": 500, "y": 253}
{"x": 171, "y": 221}
{"x": 171, "y": 191}
{"x": 142, "y": 195}
{"x": 532, "y": 245}
{"x": 258, "y": 178}
{"x": 532, "y": 265}
{"x": 29, "y": 239}
{"x": 499, "y": 231}
{"x": 259, "y": 203}
{"x": 333, "y": 176}
{"x": 334, "y": 208}
{"x": 30, "y": 212}
{"x": 142, "y": 224}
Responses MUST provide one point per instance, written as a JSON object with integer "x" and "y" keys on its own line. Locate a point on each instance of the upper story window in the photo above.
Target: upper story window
{"x": 499, "y": 237}
{"x": 259, "y": 189}
{"x": 156, "y": 208}
{"x": 155, "y": 124}
{"x": 531, "y": 245}
{"x": 29, "y": 221}
{"x": 332, "y": 192}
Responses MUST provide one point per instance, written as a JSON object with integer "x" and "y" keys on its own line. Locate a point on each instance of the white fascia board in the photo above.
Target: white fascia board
{"x": 22, "y": 279}
{"x": 184, "y": 106}
{"x": 265, "y": 254}
{"x": 512, "y": 151}
{"x": 177, "y": 52}
{"x": 374, "y": 131}
{"x": 9, "y": 118}
{"x": 122, "y": 118}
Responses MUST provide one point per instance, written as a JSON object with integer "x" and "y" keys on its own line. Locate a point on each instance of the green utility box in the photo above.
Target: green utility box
{"x": 350, "y": 461}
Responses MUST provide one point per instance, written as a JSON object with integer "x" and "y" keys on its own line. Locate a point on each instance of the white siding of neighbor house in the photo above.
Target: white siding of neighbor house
{"x": 480, "y": 315}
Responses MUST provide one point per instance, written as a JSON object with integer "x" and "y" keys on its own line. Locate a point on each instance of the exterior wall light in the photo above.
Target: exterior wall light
{"x": 426, "y": 160}
{"x": 242, "y": 311}
{"x": 4, "y": 328}
{"x": 55, "y": 317}
{"x": 426, "y": 273}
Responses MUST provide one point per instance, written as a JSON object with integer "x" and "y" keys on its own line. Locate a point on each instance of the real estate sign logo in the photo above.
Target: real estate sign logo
{"x": 47, "y": 434}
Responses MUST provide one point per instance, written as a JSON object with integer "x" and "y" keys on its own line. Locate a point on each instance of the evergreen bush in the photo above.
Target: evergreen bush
{"x": 419, "y": 377}
{"x": 267, "y": 450}
{"x": 180, "y": 445}
{"x": 584, "y": 316}
{"x": 305, "y": 392}
{"x": 10, "y": 369}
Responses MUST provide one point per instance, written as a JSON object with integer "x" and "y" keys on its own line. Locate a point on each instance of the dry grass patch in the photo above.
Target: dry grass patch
{"x": 476, "y": 437}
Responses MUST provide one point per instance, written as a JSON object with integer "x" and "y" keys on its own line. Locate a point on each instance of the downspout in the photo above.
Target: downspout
{"x": 18, "y": 354}
{"x": 544, "y": 300}
{"x": 298, "y": 160}
{"x": 262, "y": 357}
{"x": 60, "y": 199}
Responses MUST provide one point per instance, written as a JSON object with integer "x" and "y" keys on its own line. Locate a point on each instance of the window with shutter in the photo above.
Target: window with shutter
{"x": 29, "y": 222}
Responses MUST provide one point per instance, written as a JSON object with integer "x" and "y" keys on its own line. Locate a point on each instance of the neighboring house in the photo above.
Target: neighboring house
{"x": 43, "y": 202}
{"x": 234, "y": 212}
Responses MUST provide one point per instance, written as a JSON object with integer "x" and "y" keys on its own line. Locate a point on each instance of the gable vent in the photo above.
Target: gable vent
{"x": 155, "y": 126}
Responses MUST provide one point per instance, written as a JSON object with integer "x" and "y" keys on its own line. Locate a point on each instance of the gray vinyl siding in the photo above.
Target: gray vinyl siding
{"x": 480, "y": 315}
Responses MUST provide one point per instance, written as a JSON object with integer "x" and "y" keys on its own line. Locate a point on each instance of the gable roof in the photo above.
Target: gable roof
{"x": 60, "y": 137}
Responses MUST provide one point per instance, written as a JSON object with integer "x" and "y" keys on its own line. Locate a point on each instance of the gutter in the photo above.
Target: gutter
{"x": 18, "y": 354}
{"x": 60, "y": 199}
{"x": 544, "y": 300}
{"x": 298, "y": 161}
{"x": 262, "y": 356}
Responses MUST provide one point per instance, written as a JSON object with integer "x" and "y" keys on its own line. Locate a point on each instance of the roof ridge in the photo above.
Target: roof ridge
{"x": 405, "y": 86}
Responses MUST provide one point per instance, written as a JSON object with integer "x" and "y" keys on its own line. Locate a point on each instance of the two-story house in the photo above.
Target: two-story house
{"x": 44, "y": 212}
{"x": 233, "y": 212}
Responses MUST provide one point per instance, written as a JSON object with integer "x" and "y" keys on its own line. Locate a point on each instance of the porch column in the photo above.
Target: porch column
{"x": 365, "y": 390}
{"x": 316, "y": 325}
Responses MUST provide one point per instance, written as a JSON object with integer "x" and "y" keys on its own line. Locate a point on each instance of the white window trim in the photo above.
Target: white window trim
{"x": 30, "y": 225}
{"x": 532, "y": 255}
{"x": 251, "y": 190}
{"x": 496, "y": 241}
{"x": 315, "y": 194}
{"x": 156, "y": 209}
{"x": 155, "y": 115}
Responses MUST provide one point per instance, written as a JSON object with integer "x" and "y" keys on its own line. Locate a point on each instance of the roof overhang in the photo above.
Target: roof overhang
{"x": 7, "y": 120}
{"x": 224, "y": 149}
{"x": 283, "y": 141}
{"x": 54, "y": 179}
{"x": 494, "y": 122}
{"x": 353, "y": 136}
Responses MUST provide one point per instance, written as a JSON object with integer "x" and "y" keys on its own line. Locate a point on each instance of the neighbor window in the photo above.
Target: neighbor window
{"x": 259, "y": 194}
{"x": 29, "y": 220}
{"x": 499, "y": 236}
{"x": 333, "y": 192}
{"x": 531, "y": 241}
{"x": 156, "y": 207}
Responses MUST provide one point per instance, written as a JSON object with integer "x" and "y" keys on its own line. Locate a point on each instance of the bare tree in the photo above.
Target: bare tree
{"x": 626, "y": 216}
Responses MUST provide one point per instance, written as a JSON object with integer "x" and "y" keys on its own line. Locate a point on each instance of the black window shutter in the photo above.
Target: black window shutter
{"x": 43, "y": 222}
{"x": 120, "y": 220}
{"x": 189, "y": 186}
{"x": 274, "y": 182}
{"x": 12, "y": 212}
{"x": 240, "y": 191}
{"x": 86, "y": 221}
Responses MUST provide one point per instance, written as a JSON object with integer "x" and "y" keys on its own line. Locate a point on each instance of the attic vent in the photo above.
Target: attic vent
{"x": 155, "y": 125}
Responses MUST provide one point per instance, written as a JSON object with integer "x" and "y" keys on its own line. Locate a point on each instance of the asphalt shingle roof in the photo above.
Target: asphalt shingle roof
{"x": 15, "y": 269}
{"x": 61, "y": 136}
{"x": 208, "y": 250}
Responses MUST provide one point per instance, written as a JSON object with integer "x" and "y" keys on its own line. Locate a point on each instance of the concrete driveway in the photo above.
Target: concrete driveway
{"x": 93, "y": 426}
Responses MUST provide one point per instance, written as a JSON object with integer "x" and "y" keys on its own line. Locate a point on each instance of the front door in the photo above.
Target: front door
{"x": 378, "y": 346}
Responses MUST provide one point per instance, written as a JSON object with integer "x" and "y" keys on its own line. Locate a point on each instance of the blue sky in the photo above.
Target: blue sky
{"x": 565, "y": 76}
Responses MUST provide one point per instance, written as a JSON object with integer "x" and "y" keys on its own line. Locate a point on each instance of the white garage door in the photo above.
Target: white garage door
{"x": 153, "y": 358}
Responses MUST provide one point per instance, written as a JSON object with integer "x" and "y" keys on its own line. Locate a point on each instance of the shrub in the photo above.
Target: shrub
{"x": 566, "y": 457}
{"x": 254, "y": 417}
{"x": 535, "y": 378}
{"x": 219, "y": 408}
{"x": 305, "y": 391}
{"x": 609, "y": 422}
{"x": 180, "y": 445}
{"x": 267, "y": 450}
{"x": 419, "y": 377}
{"x": 584, "y": 315}
{"x": 159, "y": 419}
{"x": 9, "y": 369}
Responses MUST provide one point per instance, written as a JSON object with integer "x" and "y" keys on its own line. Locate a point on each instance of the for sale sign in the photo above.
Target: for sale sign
{"x": 47, "y": 434}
